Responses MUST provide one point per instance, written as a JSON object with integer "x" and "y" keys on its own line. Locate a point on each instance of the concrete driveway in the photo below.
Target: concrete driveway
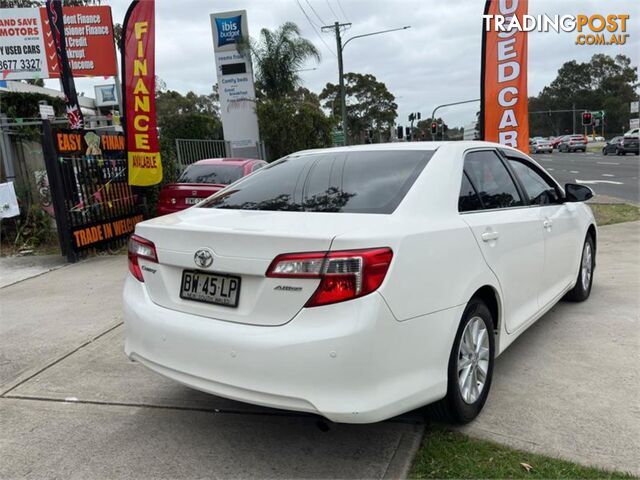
{"x": 71, "y": 405}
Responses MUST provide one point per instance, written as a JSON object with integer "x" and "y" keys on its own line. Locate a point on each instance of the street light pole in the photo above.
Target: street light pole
{"x": 340, "y": 47}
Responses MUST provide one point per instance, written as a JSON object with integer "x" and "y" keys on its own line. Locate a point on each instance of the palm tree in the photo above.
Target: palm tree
{"x": 278, "y": 56}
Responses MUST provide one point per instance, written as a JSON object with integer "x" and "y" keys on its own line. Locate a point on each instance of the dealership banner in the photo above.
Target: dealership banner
{"x": 56, "y": 24}
{"x": 504, "y": 107}
{"x": 138, "y": 76}
{"x": 27, "y": 48}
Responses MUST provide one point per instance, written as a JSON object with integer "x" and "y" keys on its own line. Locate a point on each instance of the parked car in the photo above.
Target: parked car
{"x": 541, "y": 146}
{"x": 629, "y": 145}
{"x": 359, "y": 282}
{"x": 598, "y": 139}
{"x": 573, "y": 143}
{"x": 634, "y": 132}
{"x": 555, "y": 142}
{"x": 612, "y": 146}
{"x": 201, "y": 180}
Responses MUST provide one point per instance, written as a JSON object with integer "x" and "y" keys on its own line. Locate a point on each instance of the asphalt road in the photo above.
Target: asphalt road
{"x": 611, "y": 175}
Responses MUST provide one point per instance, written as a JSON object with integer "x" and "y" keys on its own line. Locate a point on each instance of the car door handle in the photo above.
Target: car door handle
{"x": 489, "y": 236}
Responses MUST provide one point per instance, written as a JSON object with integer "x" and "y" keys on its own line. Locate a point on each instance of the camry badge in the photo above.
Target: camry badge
{"x": 203, "y": 258}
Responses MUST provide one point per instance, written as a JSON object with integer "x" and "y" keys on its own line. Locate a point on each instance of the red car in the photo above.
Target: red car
{"x": 201, "y": 180}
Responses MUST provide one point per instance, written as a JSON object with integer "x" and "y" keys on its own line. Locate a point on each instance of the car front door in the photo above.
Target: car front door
{"x": 557, "y": 221}
{"x": 508, "y": 232}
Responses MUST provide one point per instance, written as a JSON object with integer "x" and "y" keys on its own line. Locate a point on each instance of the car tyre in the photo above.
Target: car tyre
{"x": 463, "y": 404}
{"x": 618, "y": 152}
{"x": 581, "y": 291}
{"x": 604, "y": 152}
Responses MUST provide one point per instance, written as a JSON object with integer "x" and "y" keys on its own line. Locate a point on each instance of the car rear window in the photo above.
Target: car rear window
{"x": 349, "y": 182}
{"x": 217, "y": 174}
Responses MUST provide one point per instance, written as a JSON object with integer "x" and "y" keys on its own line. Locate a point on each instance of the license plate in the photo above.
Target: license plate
{"x": 191, "y": 200}
{"x": 213, "y": 288}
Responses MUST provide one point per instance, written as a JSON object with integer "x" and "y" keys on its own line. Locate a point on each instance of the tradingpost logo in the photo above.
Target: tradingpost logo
{"x": 591, "y": 29}
{"x": 229, "y": 30}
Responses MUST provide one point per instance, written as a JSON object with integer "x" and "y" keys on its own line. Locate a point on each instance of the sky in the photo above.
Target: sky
{"x": 436, "y": 61}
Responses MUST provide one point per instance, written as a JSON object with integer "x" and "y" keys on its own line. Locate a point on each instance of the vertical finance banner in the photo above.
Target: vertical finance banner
{"x": 235, "y": 83}
{"x": 504, "y": 106}
{"x": 56, "y": 29}
{"x": 138, "y": 65}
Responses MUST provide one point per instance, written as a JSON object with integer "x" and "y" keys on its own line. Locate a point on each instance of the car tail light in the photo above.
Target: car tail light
{"x": 140, "y": 248}
{"x": 343, "y": 275}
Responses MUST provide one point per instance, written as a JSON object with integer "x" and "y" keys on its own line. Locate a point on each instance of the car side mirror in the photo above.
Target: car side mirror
{"x": 577, "y": 193}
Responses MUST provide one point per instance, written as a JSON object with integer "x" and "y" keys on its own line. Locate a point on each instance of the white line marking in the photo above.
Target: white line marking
{"x": 590, "y": 182}
{"x": 607, "y": 175}
{"x": 574, "y": 171}
{"x": 607, "y": 163}
{"x": 550, "y": 169}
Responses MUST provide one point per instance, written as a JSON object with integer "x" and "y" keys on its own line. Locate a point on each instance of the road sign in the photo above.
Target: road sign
{"x": 338, "y": 138}
{"x": 634, "y": 123}
{"x": 634, "y": 107}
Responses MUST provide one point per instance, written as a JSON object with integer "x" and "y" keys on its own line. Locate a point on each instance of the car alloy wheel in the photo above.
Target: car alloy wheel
{"x": 587, "y": 265}
{"x": 473, "y": 360}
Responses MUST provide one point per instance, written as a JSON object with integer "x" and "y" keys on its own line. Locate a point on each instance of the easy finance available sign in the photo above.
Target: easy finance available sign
{"x": 27, "y": 49}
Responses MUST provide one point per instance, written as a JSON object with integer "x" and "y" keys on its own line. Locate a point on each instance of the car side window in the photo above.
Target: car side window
{"x": 539, "y": 190}
{"x": 468, "y": 201}
{"x": 491, "y": 180}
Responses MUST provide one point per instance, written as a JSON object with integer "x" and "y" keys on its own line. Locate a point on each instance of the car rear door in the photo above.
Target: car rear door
{"x": 508, "y": 232}
{"x": 558, "y": 223}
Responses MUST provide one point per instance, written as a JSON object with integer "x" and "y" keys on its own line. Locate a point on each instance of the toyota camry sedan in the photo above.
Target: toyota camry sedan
{"x": 361, "y": 282}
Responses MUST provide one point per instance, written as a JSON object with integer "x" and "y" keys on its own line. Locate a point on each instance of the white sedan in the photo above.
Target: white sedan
{"x": 361, "y": 282}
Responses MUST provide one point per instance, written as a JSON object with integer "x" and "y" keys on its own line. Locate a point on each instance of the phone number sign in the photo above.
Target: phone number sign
{"x": 27, "y": 50}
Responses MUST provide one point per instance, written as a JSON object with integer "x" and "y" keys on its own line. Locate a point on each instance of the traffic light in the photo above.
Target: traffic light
{"x": 400, "y": 132}
{"x": 434, "y": 128}
{"x": 587, "y": 119}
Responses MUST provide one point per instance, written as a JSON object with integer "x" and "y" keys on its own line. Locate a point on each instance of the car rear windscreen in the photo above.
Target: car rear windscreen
{"x": 349, "y": 182}
{"x": 218, "y": 174}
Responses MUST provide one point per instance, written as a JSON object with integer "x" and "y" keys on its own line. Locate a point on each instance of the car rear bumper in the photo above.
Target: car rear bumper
{"x": 351, "y": 362}
{"x": 165, "y": 210}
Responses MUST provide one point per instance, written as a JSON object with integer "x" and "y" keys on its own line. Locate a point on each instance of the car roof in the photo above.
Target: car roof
{"x": 226, "y": 161}
{"x": 403, "y": 146}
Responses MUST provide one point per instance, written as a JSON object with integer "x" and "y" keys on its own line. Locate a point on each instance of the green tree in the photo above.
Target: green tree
{"x": 184, "y": 116}
{"x": 370, "y": 106}
{"x": 292, "y": 123}
{"x": 604, "y": 83}
{"x": 278, "y": 56}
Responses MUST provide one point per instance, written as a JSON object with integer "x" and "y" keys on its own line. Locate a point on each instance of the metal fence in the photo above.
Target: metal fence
{"x": 191, "y": 150}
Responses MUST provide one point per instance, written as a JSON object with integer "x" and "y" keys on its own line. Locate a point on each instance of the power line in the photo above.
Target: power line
{"x": 322, "y": 22}
{"x": 315, "y": 29}
{"x": 332, "y": 11}
{"x": 342, "y": 10}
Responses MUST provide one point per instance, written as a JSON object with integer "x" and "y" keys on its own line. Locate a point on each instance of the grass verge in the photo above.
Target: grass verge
{"x": 447, "y": 454}
{"x": 607, "y": 214}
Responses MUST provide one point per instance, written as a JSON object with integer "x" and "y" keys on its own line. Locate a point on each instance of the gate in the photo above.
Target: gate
{"x": 190, "y": 151}
{"x": 94, "y": 205}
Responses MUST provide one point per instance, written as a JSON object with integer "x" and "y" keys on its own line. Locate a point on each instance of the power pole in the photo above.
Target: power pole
{"x": 343, "y": 105}
{"x": 573, "y": 117}
{"x": 340, "y": 47}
